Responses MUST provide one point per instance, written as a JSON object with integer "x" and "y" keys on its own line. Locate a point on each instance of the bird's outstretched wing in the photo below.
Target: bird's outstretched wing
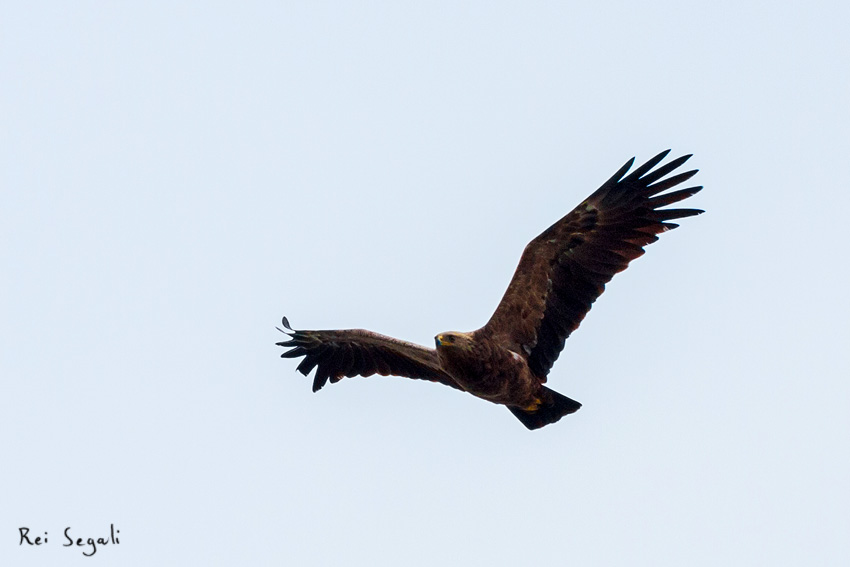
{"x": 356, "y": 352}
{"x": 564, "y": 270}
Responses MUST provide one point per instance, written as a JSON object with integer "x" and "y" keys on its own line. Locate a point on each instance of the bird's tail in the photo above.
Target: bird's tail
{"x": 553, "y": 406}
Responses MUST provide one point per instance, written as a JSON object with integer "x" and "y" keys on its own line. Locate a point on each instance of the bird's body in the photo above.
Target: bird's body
{"x": 487, "y": 369}
{"x": 560, "y": 275}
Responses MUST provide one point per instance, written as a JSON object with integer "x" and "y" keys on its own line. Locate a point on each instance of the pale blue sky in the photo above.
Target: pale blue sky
{"x": 175, "y": 178}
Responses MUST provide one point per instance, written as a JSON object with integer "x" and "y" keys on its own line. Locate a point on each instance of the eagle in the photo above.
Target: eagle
{"x": 560, "y": 275}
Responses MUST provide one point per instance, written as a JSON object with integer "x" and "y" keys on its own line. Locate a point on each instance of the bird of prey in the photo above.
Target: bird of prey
{"x": 560, "y": 275}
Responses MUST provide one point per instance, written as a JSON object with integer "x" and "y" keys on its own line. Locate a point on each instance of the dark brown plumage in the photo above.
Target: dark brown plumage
{"x": 560, "y": 275}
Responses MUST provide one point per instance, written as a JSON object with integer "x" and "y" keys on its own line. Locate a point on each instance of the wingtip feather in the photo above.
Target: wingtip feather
{"x": 665, "y": 184}
{"x": 620, "y": 173}
{"x": 652, "y": 176}
{"x": 646, "y": 167}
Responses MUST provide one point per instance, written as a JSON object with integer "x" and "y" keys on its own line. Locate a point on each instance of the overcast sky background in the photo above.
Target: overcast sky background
{"x": 175, "y": 178}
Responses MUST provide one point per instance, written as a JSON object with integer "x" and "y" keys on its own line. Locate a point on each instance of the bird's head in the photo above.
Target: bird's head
{"x": 453, "y": 340}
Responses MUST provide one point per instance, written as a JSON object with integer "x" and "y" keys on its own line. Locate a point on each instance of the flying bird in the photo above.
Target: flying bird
{"x": 560, "y": 275}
